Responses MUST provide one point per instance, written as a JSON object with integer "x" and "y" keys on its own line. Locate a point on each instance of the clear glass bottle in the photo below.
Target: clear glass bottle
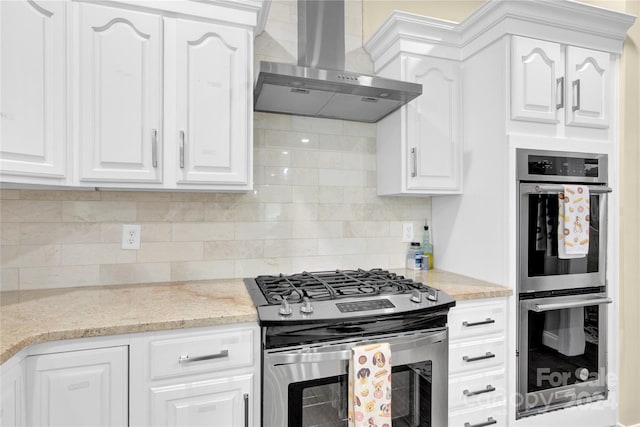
{"x": 427, "y": 246}
{"x": 414, "y": 256}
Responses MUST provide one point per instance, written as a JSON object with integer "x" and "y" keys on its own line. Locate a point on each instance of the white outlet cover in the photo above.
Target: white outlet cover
{"x": 130, "y": 236}
{"x": 407, "y": 232}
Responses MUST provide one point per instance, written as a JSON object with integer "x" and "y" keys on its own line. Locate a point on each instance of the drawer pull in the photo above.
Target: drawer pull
{"x": 489, "y": 422}
{"x": 488, "y": 355}
{"x": 187, "y": 359}
{"x": 489, "y": 389}
{"x": 245, "y": 397}
{"x": 487, "y": 321}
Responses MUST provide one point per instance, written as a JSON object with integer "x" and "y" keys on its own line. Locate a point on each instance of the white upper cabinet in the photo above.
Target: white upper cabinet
{"x": 212, "y": 108}
{"x": 565, "y": 85}
{"x": 32, "y": 102}
{"x": 119, "y": 113}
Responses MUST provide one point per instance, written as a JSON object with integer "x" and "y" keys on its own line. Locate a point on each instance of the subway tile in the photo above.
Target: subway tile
{"x": 30, "y": 211}
{"x": 366, "y": 229}
{"x": 59, "y": 276}
{"x": 259, "y": 266}
{"x": 304, "y": 194}
{"x": 360, "y": 129}
{"x": 63, "y": 232}
{"x": 136, "y": 196}
{"x": 291, "y": 176}
{"x": 89, "y": 194}
{"x": 97, "y": 253}
{"x": 171, "y": 211}
{"x": 273, "y": 193}
{"x": 354, "y": 195}
{"x": 365, "y": 262}
{"x": 185, "y": 196}
{"x": 290, "y": 212}
{"x": 290, "y": 248}
{"x": 233, "y": 249}
{"x": 341, "y": 178}
{"x": 169, "y": 251}
{"x": 201, "y": 231}
{"x": 317, "y": 159}
{"x": 228, "y": 212}
{"x": 289, "y": 140}
{"x": 353, "y": 161}
{"x": 342, "y": 246}
{"x": 345, "y": 143}
{"x": 98, "y": 211}
{"x": 271, "y": 121}
{"x": 341, "y": 212}
{"x": 9, "y": 279}
{"x": 263, "y": 230}
{"x": 317, "y": 125}
{"x": 316, "y": 229}
{"x": 273, "y": 157}
{"x": 201, "y": 270}
{"x": 10, "y": 233}
{"x": 9, "y": 194}
{"x": 330, "y": 195}
{"x": 120, "y": 274}
{"x": 149, "y": 232}
{"x": 29, "y": 255}
{"x": 315, "y": 263}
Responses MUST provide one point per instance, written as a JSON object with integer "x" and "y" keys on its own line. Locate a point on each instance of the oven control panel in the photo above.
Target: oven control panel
{"x": 375, "y": 304}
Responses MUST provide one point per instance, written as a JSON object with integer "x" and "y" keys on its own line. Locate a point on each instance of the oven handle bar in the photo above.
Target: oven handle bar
{"x": 538, "y": 308}
{"x": 406, "y": 343}
{"x": 544, "y": 189}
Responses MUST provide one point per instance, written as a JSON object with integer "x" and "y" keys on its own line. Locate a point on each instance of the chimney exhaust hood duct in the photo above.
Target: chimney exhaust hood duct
{"x": 318, "y": 86}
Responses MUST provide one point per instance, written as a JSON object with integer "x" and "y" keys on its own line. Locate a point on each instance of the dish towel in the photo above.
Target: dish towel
{"x": 370, "y": 386}
{"x": 573, "y": 222}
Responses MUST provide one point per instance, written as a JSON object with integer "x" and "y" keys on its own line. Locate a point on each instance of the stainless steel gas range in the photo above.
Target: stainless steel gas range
{"x": 311, "y": 321}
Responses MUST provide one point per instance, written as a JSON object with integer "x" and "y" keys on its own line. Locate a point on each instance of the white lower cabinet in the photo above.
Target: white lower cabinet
{"x": 78, "y": 388}
{"x": 477, "y": 350}
{"x": 12, "y": 399}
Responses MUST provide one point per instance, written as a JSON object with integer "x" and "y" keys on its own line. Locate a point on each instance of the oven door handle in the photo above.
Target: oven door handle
{"x": 406, "y": 343}
{"x": 554, "y": 189}
{"x": 538, "y": 308}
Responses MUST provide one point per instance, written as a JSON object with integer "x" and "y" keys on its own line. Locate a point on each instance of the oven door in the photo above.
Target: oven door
{"x": 308, "y": 386}
{"x": 540, "y": 267}
{"x": 562, "y": 352}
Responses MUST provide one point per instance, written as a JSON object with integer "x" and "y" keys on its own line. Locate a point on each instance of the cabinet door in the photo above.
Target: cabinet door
{"x": 434, "y": 148}
{"x": 537, "y": 78}
{"x": 11, "y": 395}
{"x": 32, "y": 110}
{"x": 78, "y": 388}
{"x": 213, "y": 119}
{"x": 120, "y": 94}
{"x": 219, "y": 402}
{"x": 587, "y": 87}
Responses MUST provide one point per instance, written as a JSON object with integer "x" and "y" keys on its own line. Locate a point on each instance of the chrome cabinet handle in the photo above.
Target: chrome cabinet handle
{"x": 181, "y": 149}
{"x": 414, "y": 162}
{"x": 576, "y": 86}
{"x": 560, "y": 82}
{"x": 246, "y": 409}
{"x": 489, "y": 389}
{"x": 489, "y": 422}
{"x": 487, "y": 355}
{"x": 483, "y": 322}
{"x": 154, "y": 148}
{"x": 187, "y": 359}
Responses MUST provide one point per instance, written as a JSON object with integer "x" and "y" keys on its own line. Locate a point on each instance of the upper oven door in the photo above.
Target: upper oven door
{"x": 308, "y": 385}
{"x": 539, "y": 265}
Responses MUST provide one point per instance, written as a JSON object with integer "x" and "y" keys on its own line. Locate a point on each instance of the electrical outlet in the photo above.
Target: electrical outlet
{"x": 130, "y": 236}
{"x": 407, "y": 232}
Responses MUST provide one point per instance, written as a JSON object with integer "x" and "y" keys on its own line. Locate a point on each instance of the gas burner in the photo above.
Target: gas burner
{"x": 336, "y": 284}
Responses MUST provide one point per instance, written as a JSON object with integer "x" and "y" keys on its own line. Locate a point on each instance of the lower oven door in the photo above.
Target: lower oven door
{"x": 308, "y": 386}
{"x": 562, "y": 352}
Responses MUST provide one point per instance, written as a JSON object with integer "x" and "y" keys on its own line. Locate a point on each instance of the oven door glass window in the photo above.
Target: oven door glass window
{"x": 563, "y": 347}
{"x": 323, "y": 401}
{"x": 542, "y": 240}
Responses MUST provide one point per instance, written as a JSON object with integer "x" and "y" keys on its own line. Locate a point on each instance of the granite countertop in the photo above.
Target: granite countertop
{"x": 36, "y": 316}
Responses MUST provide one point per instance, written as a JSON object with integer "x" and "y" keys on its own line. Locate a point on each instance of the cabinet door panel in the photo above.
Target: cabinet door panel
{"x": 433, "y": 127}
{"x": 78, "y": 388}
{"x": 212, "y": 112}
{"x": 32, "y": 109}
{"x": 218, "y": 403}
{"x": 535, "y": 90}
{"x": 120, "y": 88}
{"x": 588, "y": 86}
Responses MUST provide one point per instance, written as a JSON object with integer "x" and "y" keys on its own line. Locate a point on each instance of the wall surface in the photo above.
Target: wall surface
{"x": 314, "y": 206}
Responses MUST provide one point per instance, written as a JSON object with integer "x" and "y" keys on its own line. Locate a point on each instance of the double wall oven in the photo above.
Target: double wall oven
{"x": 562, "y": 321}
{"x": 311, "y": 321}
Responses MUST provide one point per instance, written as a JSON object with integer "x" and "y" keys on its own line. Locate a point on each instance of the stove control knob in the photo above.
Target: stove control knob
{"x": 416, "y": 296}
{"x": 432, "y": 295}
{"x": 306, "y": 306}
{"x": 285, "y": 308}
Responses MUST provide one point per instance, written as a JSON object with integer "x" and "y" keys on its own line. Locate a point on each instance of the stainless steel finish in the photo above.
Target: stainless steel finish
{"x": 414, "y": 162}
{"x": 558, "y": 303}
{"x": 188, "y": 359}
{"x": 524, "y": 175}
{"x": 306, "y": 306}
{"x": 490, "y": 421}
{"x": 245, "y": 397}
{"x": 289, "y": 365}
{"x": 487, "y": 355}
{"x": 182, "y": 149}
{"x": 576, "y": 89}
{"x": 488, "y": 389}
{"x": 550, "y": 188}
{"x": 319, "y": 86}
{"x": 285, "y": 308}
{"x": 433, "y": 294}
{"x": 154, "y": 148}
{"x": 483, "y": 322}
{"x": 416, "y": 296}
{"x": 560, "y": 82}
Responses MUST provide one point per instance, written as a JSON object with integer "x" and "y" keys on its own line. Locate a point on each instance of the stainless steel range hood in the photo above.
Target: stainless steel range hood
{"x": 318, "y": 86}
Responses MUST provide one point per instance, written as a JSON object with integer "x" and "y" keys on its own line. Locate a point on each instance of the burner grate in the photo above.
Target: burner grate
{"x": 336, "y": 284}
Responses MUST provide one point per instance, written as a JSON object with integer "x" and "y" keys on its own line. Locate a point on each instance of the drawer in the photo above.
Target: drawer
{"x": 490, "y": 416}
{"x": 475, "y": 319}
{"x": 476, "y": 390}
{"x": 476, "y": 355}
{"x": 195, "y": 354}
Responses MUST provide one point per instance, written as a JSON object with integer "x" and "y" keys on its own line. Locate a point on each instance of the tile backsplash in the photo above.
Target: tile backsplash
{"x": 314, "y": 205}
